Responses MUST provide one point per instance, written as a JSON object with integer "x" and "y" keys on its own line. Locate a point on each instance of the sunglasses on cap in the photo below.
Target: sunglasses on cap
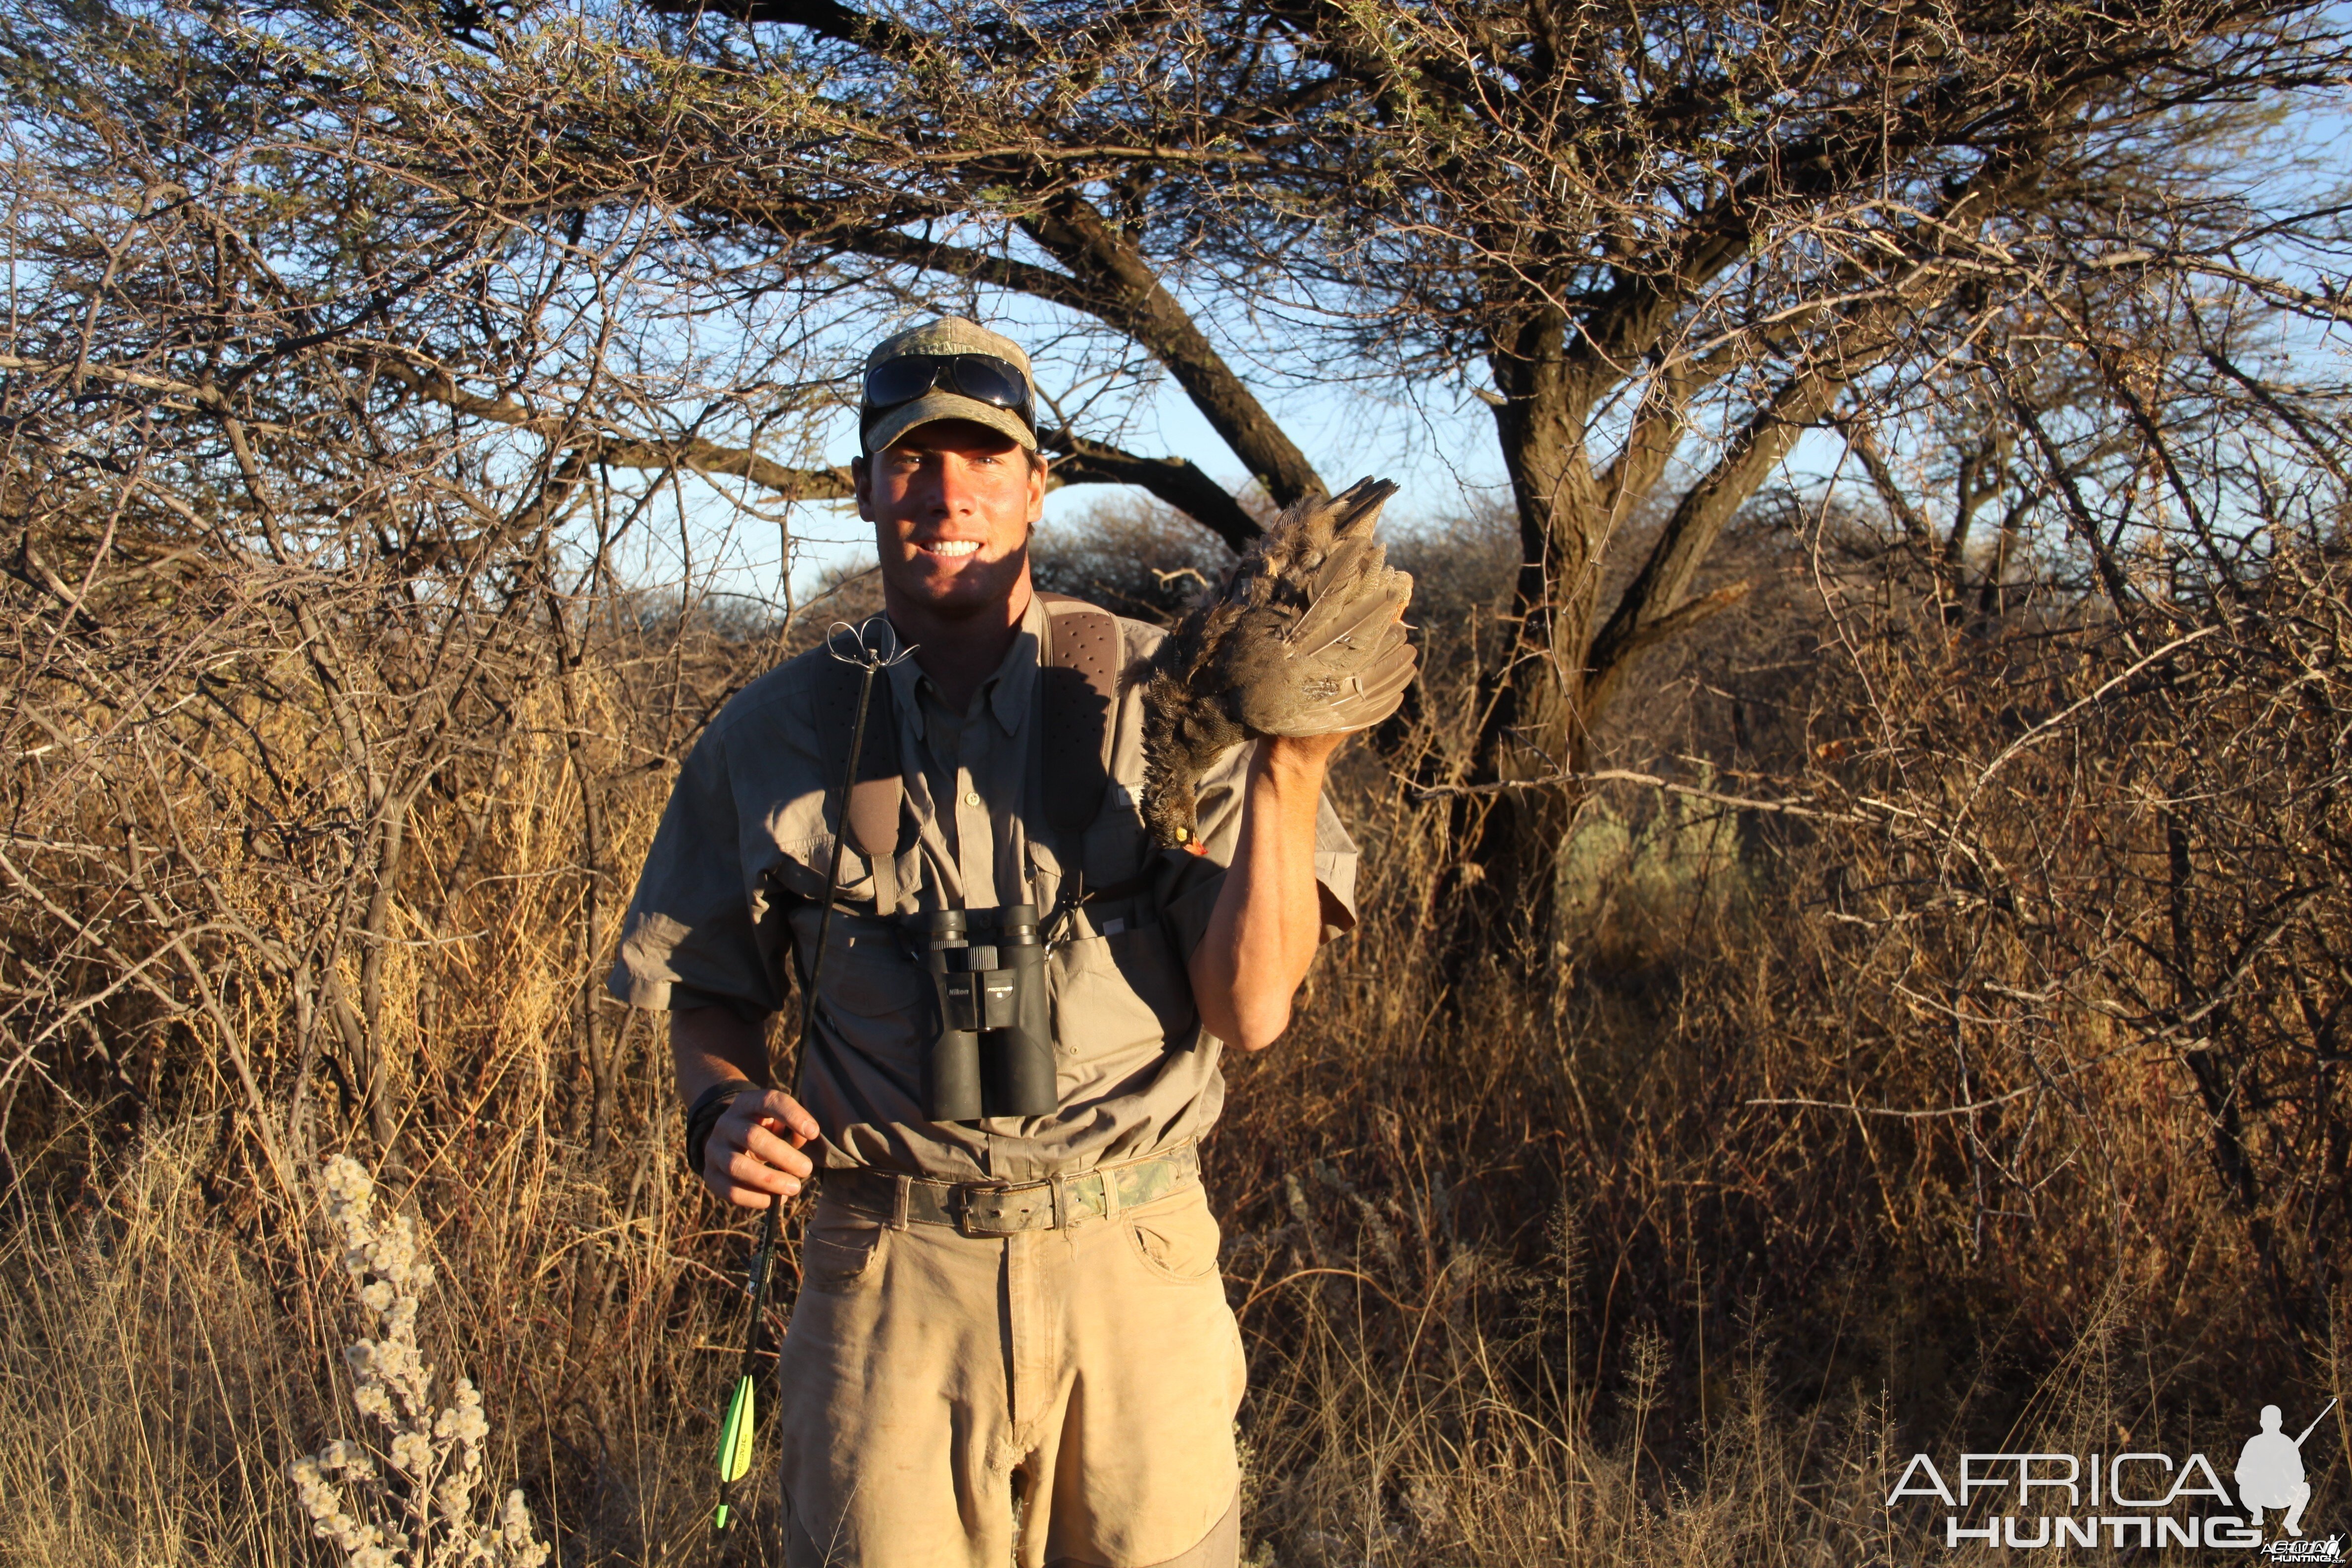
{"x": 984, "y": 378}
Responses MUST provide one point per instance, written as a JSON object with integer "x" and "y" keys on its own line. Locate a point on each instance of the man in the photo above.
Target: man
{"x": 1010, "y": 1340}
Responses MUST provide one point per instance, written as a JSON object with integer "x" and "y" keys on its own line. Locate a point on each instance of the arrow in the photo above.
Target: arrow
{"x": 742, "y": 1422}
{"x": 735, "y": 1433}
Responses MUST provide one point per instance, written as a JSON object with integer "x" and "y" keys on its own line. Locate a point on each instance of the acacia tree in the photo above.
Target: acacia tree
{"x": 1660, "y": 241}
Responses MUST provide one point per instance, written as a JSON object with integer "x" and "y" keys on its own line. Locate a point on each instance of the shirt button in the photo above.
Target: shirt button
{"x": 972, "y": 798}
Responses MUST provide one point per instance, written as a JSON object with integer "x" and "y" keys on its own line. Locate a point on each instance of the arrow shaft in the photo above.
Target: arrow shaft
{"x": 764, "y": 1255}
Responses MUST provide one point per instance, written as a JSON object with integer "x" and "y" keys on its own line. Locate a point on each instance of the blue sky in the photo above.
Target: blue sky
{"x": 1439, "y": 446}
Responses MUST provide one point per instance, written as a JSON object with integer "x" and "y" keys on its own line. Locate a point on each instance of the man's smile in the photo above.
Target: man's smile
{"x": 953, "y": 549}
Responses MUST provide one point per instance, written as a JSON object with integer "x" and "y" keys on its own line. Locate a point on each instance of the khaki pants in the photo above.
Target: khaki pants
{"x": 1047, "y": 1398}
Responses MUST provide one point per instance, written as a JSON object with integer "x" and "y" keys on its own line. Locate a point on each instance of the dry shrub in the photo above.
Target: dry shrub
{"x": 1135, "y": 557}
{"x": 1916, "y": 1096}
{"x": 1550, "y": 1260}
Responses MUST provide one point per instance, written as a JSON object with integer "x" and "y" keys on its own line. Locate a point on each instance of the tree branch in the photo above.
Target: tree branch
{"x": 980, "y": 265}
{"x": 1175, "y": 480}
{"x": 1657, "y": 592}
{"x": 1124, "y": 292}
{"x": 694, "y": 454}
{"x": 826, "y": 18}
{"x": 1863, "y": 442}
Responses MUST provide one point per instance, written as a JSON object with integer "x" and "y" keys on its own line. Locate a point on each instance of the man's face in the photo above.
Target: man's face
{"x": 951, "y": 503}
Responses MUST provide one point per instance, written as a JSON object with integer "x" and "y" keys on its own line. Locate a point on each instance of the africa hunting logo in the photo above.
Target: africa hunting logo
{"x": 2132, "y": 1499}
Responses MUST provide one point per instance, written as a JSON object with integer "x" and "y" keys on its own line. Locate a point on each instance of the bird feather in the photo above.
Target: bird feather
{"x": 1305, "y": 637}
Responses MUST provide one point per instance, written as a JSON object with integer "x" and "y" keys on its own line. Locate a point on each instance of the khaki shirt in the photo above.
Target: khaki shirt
{"x": 740, "y": 861}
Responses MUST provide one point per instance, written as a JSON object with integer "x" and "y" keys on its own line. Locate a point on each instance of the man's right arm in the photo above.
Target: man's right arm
{"x": 755, "y": 1150}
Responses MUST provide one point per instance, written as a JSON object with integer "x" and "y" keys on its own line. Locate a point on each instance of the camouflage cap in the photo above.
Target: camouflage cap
{"x": 949, "y": 335}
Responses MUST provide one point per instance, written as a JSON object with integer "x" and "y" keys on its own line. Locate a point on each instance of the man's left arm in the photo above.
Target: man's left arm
{"x": 1268, "y": 918}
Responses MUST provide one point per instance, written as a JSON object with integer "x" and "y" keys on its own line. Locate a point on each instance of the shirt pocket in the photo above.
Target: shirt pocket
{"x": 800, "y": 866}
{"x": 870, "y": 974}
{"x": 1112, "y": 993}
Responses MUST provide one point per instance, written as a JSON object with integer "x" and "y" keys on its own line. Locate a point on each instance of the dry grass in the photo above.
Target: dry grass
{"x": 155, "y": 1383}
{"x": 1591, "y": 1250}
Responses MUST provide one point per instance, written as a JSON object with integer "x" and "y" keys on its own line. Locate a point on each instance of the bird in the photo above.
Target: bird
{"x": 1305, "y": 637}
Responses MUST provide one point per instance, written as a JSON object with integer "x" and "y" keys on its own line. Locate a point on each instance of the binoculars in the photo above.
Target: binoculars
{"x": 994, "y": 1053}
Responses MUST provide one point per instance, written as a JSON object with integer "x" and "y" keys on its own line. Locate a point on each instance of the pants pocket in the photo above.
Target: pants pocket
{"x": 1178, "y": 1243}
{"x": 835, "y": 1261}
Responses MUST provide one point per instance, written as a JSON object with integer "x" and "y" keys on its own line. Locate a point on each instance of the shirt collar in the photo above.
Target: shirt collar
{"x": 1008, "y": 689}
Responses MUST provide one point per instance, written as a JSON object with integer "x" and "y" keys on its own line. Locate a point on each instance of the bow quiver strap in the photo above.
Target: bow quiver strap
{"x": 1078, "y": 689}
{"x": 1079, "y": 680}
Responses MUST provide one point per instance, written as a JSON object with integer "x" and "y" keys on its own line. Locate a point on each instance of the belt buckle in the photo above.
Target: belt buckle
{"x": 967, "y": 1223}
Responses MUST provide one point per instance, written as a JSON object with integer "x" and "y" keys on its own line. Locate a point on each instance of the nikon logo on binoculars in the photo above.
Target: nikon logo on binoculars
{"x": 2142, "y": 1501}
{"x": 993, "y": 1053}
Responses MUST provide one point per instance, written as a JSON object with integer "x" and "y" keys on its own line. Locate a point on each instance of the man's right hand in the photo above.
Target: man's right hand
{"x": 755, "y": 1150}
{"x": 754, "y": 1154}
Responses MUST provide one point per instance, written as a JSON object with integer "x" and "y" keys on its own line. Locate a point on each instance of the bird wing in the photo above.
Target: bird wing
{"x": 1306, "y": 638}
{"x": 1329, "y": 652}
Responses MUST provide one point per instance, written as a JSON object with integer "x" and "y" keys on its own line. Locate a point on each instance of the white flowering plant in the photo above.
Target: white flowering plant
{"x": 410, "y": 1502}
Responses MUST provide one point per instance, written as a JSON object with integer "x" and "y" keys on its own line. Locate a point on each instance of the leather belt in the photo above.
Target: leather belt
{"x": 1002, "y": 1208}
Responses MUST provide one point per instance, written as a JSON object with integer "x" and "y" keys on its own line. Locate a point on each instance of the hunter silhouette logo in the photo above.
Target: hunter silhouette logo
{"x": 2143, "y": 1500}
{"x": 2270, "y": 1471}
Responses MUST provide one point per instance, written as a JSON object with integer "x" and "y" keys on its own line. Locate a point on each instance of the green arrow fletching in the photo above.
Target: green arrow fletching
{"x": 735, "y": 1434}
